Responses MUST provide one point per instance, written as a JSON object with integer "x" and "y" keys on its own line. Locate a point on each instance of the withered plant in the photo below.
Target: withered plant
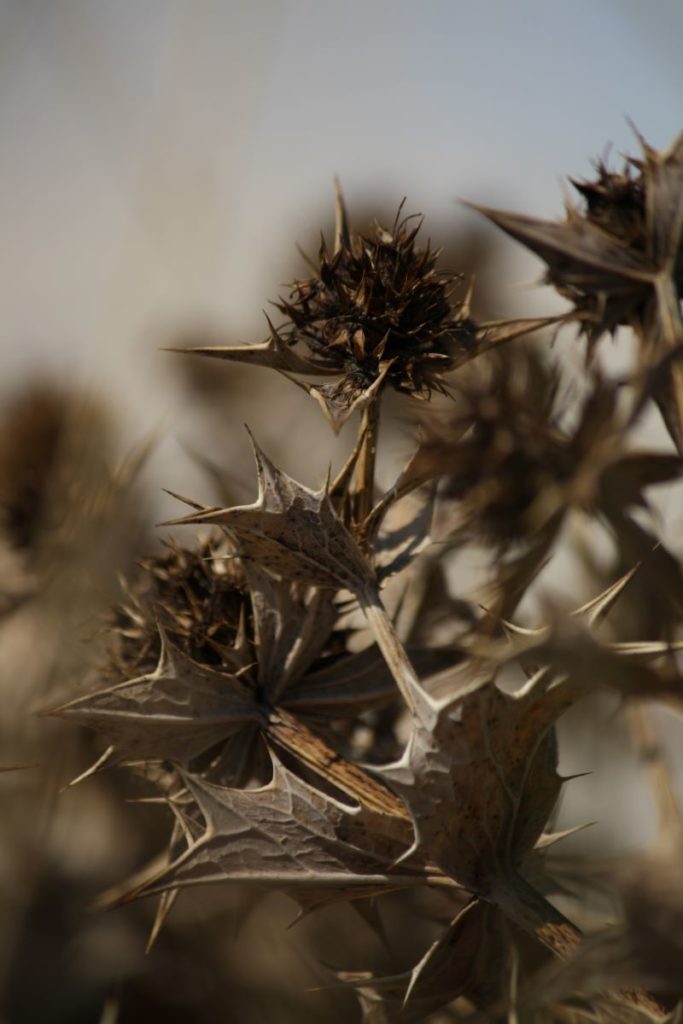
{"x": 310, "y": 736}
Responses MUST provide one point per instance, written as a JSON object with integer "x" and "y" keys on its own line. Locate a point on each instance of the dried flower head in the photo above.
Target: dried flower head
{"x": 198, "y": 598}
{"x": 619, "y": 260}
{"x": 210, "y": 653}
{"x": 605, "y": 256}
{"x": 375, "y": 312}
{"x": 378, "y": 307}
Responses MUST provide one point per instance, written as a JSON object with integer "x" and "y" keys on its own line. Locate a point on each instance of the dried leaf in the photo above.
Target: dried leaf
{"x": 175, "y": 713}
{"x": 359, "y": 682}
{"x": 288, "y": 835}
{"x": 480, "y": 780}
{"x": 664, "y": 193}
{"x": 292, "y": 531}
{"x": 464, "y": 961}
{"x": 296, "y": 534}
{"x": 274, "y": 352}
{"x": 340, "y": 401}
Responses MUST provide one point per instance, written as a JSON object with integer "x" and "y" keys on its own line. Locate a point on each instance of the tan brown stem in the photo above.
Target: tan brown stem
{"x": 671, "y": 326}
{"x": 520, "y": 902}
{"x": 399, "y": 663}
{"x": 292, "y": 735}
{"x": 365, "y": 473}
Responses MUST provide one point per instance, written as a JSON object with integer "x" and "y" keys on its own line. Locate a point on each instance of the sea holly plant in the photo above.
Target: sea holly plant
{"x": 306, "y": 739}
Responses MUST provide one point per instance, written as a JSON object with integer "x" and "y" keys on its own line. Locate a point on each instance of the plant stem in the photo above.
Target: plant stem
{"x": 521, "y": 903}
{"x": 292, "y": 735}
{"x": 670, "y": 324}
{"x": 365, "y": 474}
{"x": 395, "y": 656}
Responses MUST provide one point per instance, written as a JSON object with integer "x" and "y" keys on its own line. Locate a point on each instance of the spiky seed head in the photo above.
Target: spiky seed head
{"x": 379, "y": 303}
{"x": 198, "y": 597}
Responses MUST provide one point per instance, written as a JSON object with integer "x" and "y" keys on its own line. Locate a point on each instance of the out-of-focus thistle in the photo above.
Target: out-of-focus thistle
{"x": 70, "y": 520}
{"x": 29, "y": 448}
{"x": 515, "y": 471}
{"x": 500, "y": 450}
{"x": 60, "y": 495}
{"x": 619, "y": 260}
{"x": 504, "y": 456}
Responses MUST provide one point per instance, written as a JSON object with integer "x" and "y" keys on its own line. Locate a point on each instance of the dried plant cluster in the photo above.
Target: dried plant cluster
{"x": 309, "y": 741}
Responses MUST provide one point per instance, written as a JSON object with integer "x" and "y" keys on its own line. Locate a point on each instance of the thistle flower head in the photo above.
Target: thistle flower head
{"x": 615, "y": 202}
{"x": 375, "y": 312}
{"x": 607, "y": 254}
{"x": 198, "y": 598}
{"x": 377, "y": 304}
{"x": 619, "y": 260}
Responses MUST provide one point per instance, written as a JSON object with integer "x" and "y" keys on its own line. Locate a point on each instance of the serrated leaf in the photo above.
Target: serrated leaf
{"x": 288, "y": 835}
{"x": 291, "y": 628}
{"x": 273, "y": 352}
{"x": 576, "y": 248}
{"x": 585, "y": 665}
{"x": 480, "y": 779}
{"x": 175, "y": 713}
{"x": 292, "y": 531}
{"x": 492, "y": 334}
{"x": 664, "y": 193}
{"x": 296, "y": 533}
{"x": 359, "y": 682}
{"x": 339, "y": 402}
{"x": 464, "y": 961}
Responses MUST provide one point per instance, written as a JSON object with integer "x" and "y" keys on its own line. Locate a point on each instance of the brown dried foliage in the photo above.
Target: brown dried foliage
{"x": 237, "y": 685}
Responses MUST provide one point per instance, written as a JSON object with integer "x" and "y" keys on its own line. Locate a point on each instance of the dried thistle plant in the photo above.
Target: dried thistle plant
{"x": 619, "y": 260}
{"x": 249, "y": 674}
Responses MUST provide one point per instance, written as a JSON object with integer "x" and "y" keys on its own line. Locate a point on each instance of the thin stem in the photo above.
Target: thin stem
{"x": 659, "y": 773}
{"x": 534, "y": 914}
{"x": 293, "y": 735}
{"x": 671, "y": 326}
{"x": 396, "y": 658}
{"x": 365, "y": 473}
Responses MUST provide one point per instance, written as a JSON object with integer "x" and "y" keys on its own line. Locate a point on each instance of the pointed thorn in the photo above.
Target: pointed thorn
{"x": 99, "y": 763}
{"x": 341, "y": 228}
{"x": 570, "y": 778}
{"x": 185, "y": 501}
